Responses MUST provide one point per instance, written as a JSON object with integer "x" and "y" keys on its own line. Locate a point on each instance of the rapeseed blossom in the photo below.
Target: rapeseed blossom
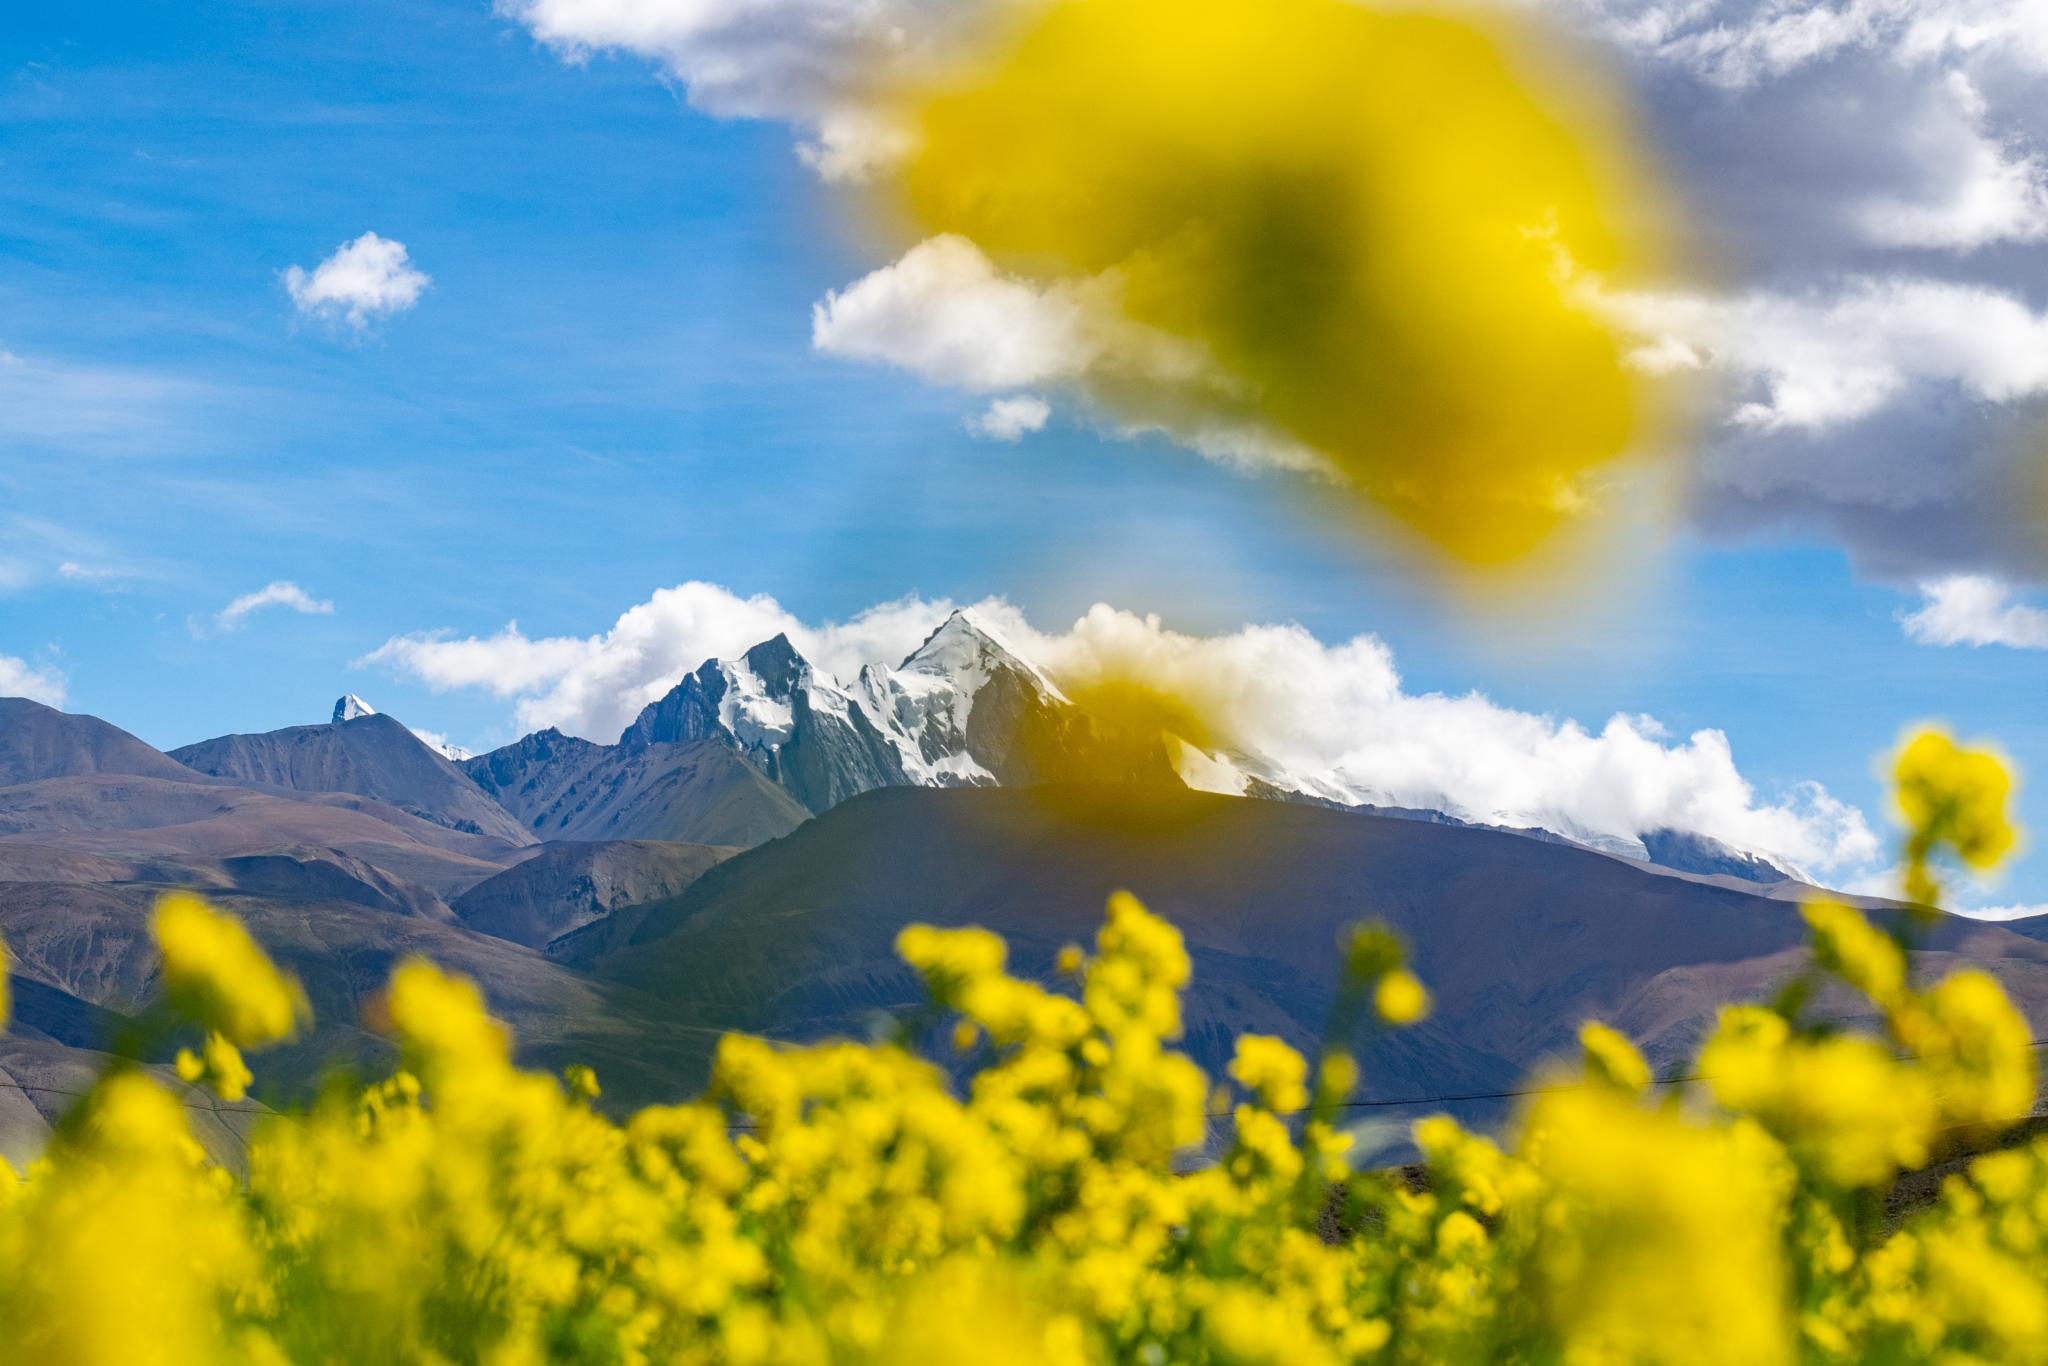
{"x": 1952, "y": 799}
{"x": 218, "y": 978}
{"x": 858, "y": 1203}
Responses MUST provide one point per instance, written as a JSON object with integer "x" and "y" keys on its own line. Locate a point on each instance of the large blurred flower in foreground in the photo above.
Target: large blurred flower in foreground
{"x": 1303, "y": 233}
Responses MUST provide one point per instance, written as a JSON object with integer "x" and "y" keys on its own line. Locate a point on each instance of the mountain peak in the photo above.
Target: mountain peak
{"x": 969, "y": 647}
{"x": 778, "y": 665}
{"x": 349, "y": 707}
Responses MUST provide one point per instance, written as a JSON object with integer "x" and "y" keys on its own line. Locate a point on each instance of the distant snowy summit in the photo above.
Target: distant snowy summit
{"x": 349, "y": 707}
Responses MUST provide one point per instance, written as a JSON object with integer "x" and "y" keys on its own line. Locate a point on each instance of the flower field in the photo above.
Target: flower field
{"x": 849, "y": 1202}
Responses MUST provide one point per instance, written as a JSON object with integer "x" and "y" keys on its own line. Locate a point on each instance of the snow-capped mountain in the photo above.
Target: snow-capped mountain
{"x": 968, "y": 709}
{"x": 804, "y": 731}
{"x": 964, "y": 709}
{"x": 349, "y": 707}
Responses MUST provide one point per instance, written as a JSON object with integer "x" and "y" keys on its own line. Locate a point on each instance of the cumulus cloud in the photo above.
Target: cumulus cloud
{"x": 812, "y": 63}
{"x": 44, "y": 683}
{"x": 1336, "y": 715}
{"x": 1984, "y": 189}
{"x": 1340, "y": 717}
{"x": 1859, "y": 173}
{"x": 1011, "y": 419}
{"x": 946, "y": 314}
{"x": 595, "y": 685}
{"x": 279, "y": 593}
{"x": 1975, "y": 609}
{"x": 1821, "y": 359}
{"x": 1738, "y": 43}
{"x": 372, "y": 277}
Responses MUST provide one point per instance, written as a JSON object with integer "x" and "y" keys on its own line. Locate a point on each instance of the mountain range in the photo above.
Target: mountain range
{"x": 745, "y": 853}
{"x": 965, "y": 709}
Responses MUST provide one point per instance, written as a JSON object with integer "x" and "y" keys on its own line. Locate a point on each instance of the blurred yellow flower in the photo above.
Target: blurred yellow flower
{"x": 1400, "y": 998}
{"x": 1955, "y": 799}
{"x": 216, "y": 976}
{"x": 1272, "y": 1071}
{"x": 1365, "y": 232}
{"x": 1612, "y": 1059}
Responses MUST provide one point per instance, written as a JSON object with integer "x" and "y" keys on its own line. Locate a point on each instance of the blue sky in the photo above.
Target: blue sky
{"x": 610, "y": 386}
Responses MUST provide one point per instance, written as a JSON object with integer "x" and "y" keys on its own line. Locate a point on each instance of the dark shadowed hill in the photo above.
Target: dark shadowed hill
{"x": 371, "y": 756}
{"x": 41, "y": 742}
{"x": 1520, "y": 939}
{"x": 697, "y": 792}
{"x": 566, "y": 886}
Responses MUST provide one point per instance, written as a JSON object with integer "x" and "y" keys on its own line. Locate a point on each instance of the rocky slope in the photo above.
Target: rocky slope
{"x": 567, "y": 886}
{"x": 39, "y": 742}
{"x": 367, "y": 754}
{"x": 701, "y": 792}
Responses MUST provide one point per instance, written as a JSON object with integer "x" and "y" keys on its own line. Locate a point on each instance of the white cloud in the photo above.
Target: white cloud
{"x": 1740, "y": 43}
{"x": 1337, "y": 715}
{"x": 1975, "y": 609}
{"x": 1824, "y": 358}
{"x": 1998, "y": 913}
{"x": 19, "y": 678}
{"x": 369, "y": 278}
{"x": 946, "y": 314}
{"x": 1011, "y": 419}
{"x": 1964, "y": 892}
{"x": 811, "y": 63}
{"x": 440, "y": 744}
{"x": 76, "y": 406}
{"x": 594, "y": 686}
{"x": 280, "y": 593}
{"x": 1983, "y": 189}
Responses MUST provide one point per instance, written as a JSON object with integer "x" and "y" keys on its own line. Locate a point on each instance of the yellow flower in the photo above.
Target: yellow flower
{"x": 442, "y": 1018}
{"x": 1661, "y": 1237}
{"x": 1951, "y": 798}
{"x": 1847, "y": 945}
{"x": 846, "y": 1202}
{"x": 1272, "y": 1071}
{"x": 1337, "y": 1077}
{"x": 220, "y": 1064}
{"x": 1841, "y": 1104}
{"x": 1370, "y": 952}
{"x": 1612, "y": 1059}
{"x": 1400, "y": 998}
{"x": 581, "y": 1081}
{"x": 217, "y": 976}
